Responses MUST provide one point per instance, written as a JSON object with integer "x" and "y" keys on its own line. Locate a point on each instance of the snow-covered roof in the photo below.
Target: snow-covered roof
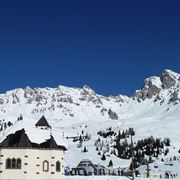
{"x": 42, "y": 122}
{"x": 20, "y": 140}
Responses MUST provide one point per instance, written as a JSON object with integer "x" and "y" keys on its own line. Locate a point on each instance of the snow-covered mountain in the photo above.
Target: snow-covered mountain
{"x": 152, "y": 110}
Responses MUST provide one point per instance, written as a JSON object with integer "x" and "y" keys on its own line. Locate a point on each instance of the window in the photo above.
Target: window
{"x": 45, "y": 166}
{"x": 18, "y": 163}
{"x": 8, "y": 163}
{"x": 13, "y": 163}
{"x": 58, "y": 166}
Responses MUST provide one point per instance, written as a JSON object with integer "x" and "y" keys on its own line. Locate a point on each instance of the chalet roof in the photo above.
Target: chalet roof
{"x": 86, "y": 162}
{"x": 51, "y": 143}
{"x": 20, "y": 140}
{"x": 42, "y": 122}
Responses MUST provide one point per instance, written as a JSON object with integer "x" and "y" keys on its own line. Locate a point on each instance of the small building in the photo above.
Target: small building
{"x": 22, "y": 159}
{"x": 42, "y": 123}
{"x": 84, "y": 168}
{"x": 87, "y": 168}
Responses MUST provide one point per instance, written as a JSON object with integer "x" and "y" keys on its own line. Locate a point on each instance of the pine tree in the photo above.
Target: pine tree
{"x": 99, "y": 153}
{"x": 114, "y": 152}
{"x": 85, "y": 149}
{"x": 167, "y": 141}
{"x": 119, "y": 136}
{"x": 21, "y": 117}
{"x": 5, "y": 125}
{"x": 103, "y": 158}
{"x": 110, "y": 163}
{"x": 107, "y": 148}
{"x": 9, "y": 124}
{"x": 123, "y": 135}
{"x": 166, "y": 152}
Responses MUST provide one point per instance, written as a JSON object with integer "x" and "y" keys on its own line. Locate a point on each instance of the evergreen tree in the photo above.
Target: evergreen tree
{"x": 167, "y": 141}
{"x": 118, "y": 138}
{"x": 85, "y": 149}
{"x": 21, "y": 117}
{"x": 103, "y": 158}
{"x": 9, "y": 124}
{"x": 99, "y": 153}
{"x": 123, "y": 135}
{"x": 110, "y": 163}
{"x": 5, "y": 125}
{"x": 166, "y": 152}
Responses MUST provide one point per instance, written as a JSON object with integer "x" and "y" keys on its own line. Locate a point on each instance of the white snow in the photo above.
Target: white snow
{"x": 71, "y": 110}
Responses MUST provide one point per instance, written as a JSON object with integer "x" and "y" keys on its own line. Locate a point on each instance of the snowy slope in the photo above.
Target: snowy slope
{"x": 152, "y": 110}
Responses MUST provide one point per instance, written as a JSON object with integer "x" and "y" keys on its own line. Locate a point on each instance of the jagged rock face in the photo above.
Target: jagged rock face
{"x": 174, "y": 97}
{"x": 71, "y": 102}
{"x": 62, "y": 100}
{"x": 167, "y": 79}
{"x": 1, "y": 101}
{"x": 112, "y": 115}
{"x": 149, "y": 90}
{"x": 155, "y": 88}
{"x": 87, "y": 94}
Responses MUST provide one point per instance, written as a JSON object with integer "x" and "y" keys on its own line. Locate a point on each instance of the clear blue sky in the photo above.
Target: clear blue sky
{"x": 109, "y": 45}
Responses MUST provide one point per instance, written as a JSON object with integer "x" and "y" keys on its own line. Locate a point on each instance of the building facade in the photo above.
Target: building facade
{"x": 87, "y": 168}
{"x": 22, "y": 159}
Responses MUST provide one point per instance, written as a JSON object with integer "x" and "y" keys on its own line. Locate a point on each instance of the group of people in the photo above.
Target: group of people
{"x": 168, "y": 175}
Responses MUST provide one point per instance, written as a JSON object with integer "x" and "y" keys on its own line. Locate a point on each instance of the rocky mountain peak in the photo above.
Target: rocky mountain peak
{"x": 154, "y": 87}
{"x": 68, "y": 101}
{"x": 87, "y": 90}
{"x": 169, "y": 78}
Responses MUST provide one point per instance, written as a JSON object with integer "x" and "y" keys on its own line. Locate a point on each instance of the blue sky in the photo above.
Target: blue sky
{"x": 109, "y": 45}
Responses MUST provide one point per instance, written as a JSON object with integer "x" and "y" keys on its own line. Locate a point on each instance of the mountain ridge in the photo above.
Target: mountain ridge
{"x": 156, "y": 88}
{"x": 152, "y": 110}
